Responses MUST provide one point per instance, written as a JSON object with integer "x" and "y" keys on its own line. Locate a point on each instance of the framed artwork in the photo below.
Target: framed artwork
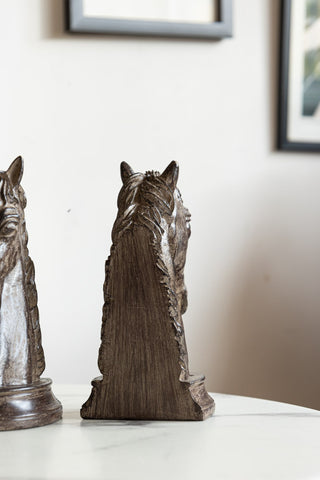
{"x": 210, "y": 19}
{"x": 299, "y": 101}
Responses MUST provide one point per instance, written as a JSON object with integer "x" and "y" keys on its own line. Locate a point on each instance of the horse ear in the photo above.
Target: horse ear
{"x": 126, "y": 171}
{"x": 15, "y": 171}
{"x": 170, "y": 175}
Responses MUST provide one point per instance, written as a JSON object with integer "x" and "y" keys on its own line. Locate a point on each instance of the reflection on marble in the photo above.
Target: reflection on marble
{"x": 246, "y": 439}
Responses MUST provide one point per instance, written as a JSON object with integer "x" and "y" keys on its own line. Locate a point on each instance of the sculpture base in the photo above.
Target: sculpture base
{"x": 192, "y": 403}
{"x": 28, "y": 406}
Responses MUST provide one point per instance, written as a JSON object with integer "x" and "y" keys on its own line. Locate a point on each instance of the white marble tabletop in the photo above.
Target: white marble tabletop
{"x": 246, "y": 439}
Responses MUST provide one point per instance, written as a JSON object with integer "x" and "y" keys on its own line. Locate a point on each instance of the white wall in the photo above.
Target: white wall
{"x": 76, "y": 106}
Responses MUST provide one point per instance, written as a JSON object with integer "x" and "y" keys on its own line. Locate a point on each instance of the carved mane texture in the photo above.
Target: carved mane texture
{"x": 33, "y": 312}
{"x": 143, "y": 357}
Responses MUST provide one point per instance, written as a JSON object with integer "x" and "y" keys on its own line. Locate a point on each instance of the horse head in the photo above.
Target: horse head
{"x": 153, "y": 200}
{"x": 12, "y": 202}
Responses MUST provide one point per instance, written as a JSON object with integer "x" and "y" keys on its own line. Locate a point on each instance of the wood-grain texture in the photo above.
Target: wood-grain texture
{"x": 143, "y": 356}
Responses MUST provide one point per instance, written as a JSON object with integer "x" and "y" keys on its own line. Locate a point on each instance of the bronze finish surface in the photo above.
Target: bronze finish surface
{"x": 143, "y": 355}
{"x": 25, "y": 400}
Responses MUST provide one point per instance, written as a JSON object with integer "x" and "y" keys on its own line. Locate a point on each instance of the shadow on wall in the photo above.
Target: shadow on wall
{"x": 53, "y": 14}
{"x": 271, "y": 331}
{"x": 54, "y": 25}
{"x": 273, "y": 56}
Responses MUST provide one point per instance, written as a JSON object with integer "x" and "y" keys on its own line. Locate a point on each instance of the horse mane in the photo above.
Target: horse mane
{"x": 31, "y": 294}
{"x": 144, "y": 201}
{"x": 37, "y": 355}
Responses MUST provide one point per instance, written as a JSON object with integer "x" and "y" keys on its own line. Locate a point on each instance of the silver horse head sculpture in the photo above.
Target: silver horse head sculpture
{"x": 21, "y": 353}
{"x": 26, "y": 400}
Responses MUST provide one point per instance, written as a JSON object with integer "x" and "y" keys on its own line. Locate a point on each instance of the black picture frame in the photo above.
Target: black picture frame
{"x": 77, "y": 22}
{"x": 285, "y": 141}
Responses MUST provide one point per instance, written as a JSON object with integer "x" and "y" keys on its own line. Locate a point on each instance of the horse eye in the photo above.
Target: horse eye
{"x": 8, "y": 230}
{"x": 9, "y": 225}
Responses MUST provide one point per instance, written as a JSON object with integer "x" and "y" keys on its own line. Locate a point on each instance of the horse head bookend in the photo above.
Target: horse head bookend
{"x": 143, "y": 355}
{"x": 25, "y": 399}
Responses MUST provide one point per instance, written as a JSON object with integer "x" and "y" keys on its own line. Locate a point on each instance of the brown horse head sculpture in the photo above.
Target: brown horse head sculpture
{"x": 143, "y": 356}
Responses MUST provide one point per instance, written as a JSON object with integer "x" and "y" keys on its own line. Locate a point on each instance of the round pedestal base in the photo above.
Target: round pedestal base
{"x": 28, "y": 406}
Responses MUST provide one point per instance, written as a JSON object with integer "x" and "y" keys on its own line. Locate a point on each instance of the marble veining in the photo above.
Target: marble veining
{"x": 248, "y": 439}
